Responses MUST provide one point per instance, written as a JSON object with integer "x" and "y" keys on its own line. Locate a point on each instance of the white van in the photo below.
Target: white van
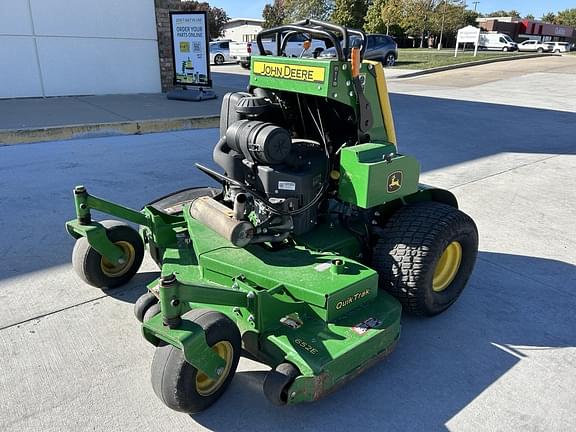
{"x": 496, "y": 41}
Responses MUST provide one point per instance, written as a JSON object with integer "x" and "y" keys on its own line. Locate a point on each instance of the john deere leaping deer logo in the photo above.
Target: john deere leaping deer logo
{"x": 394, "y": 181}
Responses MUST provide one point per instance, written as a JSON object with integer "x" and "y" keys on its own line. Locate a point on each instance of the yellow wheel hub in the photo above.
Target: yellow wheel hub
{"x": 205, "y": 385}
{"x": 447, "y": 267}
{"x": 115, "y": 270}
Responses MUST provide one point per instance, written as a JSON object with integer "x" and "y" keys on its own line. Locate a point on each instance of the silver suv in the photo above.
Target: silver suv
{"x": 559, "y": 47}
{"x": 379, "y": 47}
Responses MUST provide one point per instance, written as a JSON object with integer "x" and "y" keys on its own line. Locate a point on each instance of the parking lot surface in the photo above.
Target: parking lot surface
{"x": 502, "y": 358}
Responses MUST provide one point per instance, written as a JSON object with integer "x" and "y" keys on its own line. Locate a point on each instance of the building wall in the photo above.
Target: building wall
{"x": 62, "y": 47}
{"x": 520, "y": 30}
{"x": 242, "y": 31}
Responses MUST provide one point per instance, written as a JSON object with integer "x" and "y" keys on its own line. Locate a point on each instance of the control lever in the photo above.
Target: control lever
{"x": 364, "y": 108}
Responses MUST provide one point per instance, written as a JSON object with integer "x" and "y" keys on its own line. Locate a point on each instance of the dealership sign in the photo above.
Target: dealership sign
{"x": 468, "y": 34}
{"x": 190, "y": 49}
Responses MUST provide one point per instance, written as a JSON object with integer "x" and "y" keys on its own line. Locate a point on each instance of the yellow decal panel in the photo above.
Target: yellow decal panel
{"x": 292, "y": 72}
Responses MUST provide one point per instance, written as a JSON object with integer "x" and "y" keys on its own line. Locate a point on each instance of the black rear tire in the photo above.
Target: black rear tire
{"x": 176, "y": 382}
{"x": 278, "y": 382}
{"x": 96, "y": 270}
{"x": 408, "y": 258}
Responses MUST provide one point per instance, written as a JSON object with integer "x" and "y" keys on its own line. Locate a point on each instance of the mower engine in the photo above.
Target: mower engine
{"x": 272, "y": 183}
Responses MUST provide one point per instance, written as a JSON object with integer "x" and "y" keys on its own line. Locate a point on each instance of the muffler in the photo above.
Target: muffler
{"x": 220, "y": 219}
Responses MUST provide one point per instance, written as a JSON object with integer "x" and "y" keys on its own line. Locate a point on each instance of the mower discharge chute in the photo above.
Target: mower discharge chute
{"x": 303, "y": 259}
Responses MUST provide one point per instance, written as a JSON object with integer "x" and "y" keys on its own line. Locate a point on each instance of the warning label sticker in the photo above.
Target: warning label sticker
{"x": 293, "y": 72}
{"x": 286, "y": 185}
{"x": 365, "y": 325}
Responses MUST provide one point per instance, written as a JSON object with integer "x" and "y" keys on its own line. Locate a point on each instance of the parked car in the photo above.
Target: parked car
{"x": 379, "y": 47}
{"x": 559, "y": 47}
{"x": 534, "y": 46}
{"x": 241, "y": 51}
{"x": 220, "y": 52}
{"x": 496, "y": 41}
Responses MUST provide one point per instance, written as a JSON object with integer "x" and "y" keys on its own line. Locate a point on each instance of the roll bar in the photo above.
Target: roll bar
{"x": 316, "y": 28}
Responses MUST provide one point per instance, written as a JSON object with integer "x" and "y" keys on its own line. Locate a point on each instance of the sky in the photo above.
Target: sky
{"x": 253, "y": 8}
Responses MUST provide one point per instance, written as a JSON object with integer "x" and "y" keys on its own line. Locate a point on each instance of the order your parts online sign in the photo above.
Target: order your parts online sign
{"x": 190, "y": 48}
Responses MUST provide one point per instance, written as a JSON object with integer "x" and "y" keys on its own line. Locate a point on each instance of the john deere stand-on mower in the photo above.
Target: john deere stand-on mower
{"x": 303, "y": 259}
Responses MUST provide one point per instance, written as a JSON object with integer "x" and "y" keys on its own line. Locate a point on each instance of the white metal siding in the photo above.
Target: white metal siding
{"x": 63, "y": 47}
{"x": 242, "y": 32}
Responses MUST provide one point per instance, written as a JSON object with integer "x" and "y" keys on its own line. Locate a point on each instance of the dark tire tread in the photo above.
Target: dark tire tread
{"x": 86, "y": 260}
{"x": 278, "y": 381}
{"x": 406, "y": 257}
{"x": 174, "y": 379}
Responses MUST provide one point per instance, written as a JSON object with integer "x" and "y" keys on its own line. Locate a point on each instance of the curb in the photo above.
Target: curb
{"x": 92, "y": 130}
{"x": 470, "y": 64}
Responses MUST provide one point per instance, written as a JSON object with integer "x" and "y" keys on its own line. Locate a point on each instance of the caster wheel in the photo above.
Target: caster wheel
{"x": 152, "y": 311}
{"x": 278, "y": 382}
{"x": 181, "y": 386}
{"x": 98, "y": 271}
{"x": 142, "y": 305}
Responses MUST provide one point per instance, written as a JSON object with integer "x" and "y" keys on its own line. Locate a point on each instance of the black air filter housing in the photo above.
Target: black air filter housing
{"x": 253, "y": 106}
{"x": 263, "y": 142}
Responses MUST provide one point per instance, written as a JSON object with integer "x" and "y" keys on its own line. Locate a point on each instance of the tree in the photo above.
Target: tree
{"x": 350, "y": 13}
{"x": 416, "y": 17}
{"x": 216, "y": 17}
{"x": 470, "y": 17}
{"x": 449, "y": 16}
{"x": 374, "y": 21}
{"x": 549, "y": 18}
{"x": 502, "y": 13}
{"x": 297, "y": 10}
{"x": 391, "y": 14}
{"x": 529, "y": 17}
{"x": 274, "y": 14}
{"x": 566, "y": 17}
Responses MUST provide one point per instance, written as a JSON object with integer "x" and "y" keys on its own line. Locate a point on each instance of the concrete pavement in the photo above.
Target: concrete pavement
{"x": 502, "y": 358}
{"x": 548, "y": 82}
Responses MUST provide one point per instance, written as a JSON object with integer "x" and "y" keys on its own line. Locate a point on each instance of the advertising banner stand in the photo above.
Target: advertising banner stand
{"x": 190, "y": 54}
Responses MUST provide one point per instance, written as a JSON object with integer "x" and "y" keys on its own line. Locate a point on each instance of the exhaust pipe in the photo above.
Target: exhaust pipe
{"x": 239, "y": 206}
{"x": 222, "y": 220}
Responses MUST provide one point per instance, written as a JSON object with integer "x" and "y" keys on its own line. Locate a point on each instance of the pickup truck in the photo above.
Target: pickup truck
{"x": 241, "y": 51}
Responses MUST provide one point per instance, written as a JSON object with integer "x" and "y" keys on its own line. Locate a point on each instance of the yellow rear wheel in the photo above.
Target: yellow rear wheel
{"x": 447, "y": 267}
{"x": 426, "y": 256}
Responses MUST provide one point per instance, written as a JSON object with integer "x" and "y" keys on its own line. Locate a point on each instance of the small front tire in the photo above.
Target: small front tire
{"x": 278, "y": 382}
{"x": 144, "y": 302}
{"x": 151, "y": 312}
{"x": 219, "y": 59}
{"x": 181, "y": 386}
{"x": 98, "y": 271}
